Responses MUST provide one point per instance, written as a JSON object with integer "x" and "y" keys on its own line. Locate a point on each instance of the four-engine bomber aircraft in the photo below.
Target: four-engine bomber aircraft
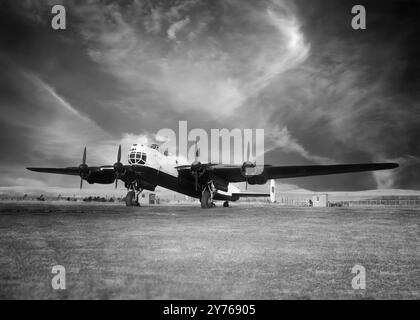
{"x": 148, "y": 168}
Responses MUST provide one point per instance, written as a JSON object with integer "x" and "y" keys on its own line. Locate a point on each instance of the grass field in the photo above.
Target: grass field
{"x": 177, "y": 252}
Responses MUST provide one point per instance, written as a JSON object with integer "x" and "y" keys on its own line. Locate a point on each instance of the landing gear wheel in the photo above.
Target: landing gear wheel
{"x": 137, "y": 202}
{"x": 225, "y": 204}
{"x": 129, "y": 199}
{"x": 206, "y": 201}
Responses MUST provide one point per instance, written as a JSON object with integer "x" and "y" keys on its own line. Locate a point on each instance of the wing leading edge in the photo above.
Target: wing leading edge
{"x": 72, "y": 171}
{"x": 103, "y": 175}
{"x": 279, "y": 172}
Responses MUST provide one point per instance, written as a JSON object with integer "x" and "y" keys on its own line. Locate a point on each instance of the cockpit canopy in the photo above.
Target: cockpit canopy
{"x": 135, "y": 157}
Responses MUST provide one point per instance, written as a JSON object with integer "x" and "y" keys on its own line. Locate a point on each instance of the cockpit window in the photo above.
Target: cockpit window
{"x": 137, "y": 158}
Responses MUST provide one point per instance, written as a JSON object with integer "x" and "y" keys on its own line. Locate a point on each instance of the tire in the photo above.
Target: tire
{"x": 206, "y": 199}
{"x": 129, "y": 199}
{"x": 225, "y": 204}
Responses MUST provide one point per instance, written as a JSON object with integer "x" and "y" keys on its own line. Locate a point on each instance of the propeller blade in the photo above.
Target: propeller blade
{"x": 84, "y": 156}
{"x": 119, "y": 154}
{"x": 117, "y": 167}
{"x": 196, "y": 149}
{"x": 83, "y": 167}
{"x": 196, "y": 181}
{"x": 246, "y": 184}
{"x": 248, "y": 152}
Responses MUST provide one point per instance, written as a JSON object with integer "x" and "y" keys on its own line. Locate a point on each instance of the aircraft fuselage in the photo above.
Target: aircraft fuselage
{"x": 159, "y": 169}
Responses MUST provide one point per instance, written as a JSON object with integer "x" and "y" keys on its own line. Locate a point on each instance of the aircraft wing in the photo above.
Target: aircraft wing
{"x": 75, "y": 171}
{"x": 103, "y": 174}
{"x": 278, "y": 172}
{"x": 234, "y": 173}
{"x": 106, "y": 174}
{"x": 72, "y": 171}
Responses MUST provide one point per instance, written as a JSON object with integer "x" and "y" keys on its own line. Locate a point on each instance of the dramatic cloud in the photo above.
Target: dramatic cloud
{"x": 173, "y": 29}
{"x": 214, "y": 72}
{"x": 323, "y": 92}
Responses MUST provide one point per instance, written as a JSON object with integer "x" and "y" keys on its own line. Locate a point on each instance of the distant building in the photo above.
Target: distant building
{"x": 153, "y": 198}
{"x": 320, "y": 200}
{"x": 272, "y": 190}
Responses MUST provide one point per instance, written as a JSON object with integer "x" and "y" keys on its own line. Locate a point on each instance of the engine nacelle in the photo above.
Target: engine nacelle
{"x": 98, "y": 177}
{"x": 220, "y": 184}
{"x": 248, "y": 168}
{"x": 147, "y": 185}
{"x": 260, "y": 179}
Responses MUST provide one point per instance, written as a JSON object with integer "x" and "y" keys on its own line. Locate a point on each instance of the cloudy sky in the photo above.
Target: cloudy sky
{"x": 323, "y": 92}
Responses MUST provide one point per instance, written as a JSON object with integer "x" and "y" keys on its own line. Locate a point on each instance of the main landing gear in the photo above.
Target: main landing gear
{"x": 207, "y": 196}
{"x": 206, "y": 199}
{"x": 133, "y": 194}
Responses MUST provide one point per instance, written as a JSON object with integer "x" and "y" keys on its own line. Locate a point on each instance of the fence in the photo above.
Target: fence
{"x": 387, "y": 202}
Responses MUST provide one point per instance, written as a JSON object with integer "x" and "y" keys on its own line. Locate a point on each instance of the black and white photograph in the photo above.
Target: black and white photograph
{"x": 231, "y": 151}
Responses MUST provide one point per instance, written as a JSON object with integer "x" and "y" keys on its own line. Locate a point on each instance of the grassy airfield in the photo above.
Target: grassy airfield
{"x": 184, "y": 252}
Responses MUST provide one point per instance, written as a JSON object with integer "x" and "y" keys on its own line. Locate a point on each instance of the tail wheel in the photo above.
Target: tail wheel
{"x": 206, "y": 201}
{"x": 226, "y": 204}
{"x": 129, "y": 198}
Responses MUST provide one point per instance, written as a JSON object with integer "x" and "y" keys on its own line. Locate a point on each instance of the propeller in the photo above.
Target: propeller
{"x": 247, "y": 164}
{"x": 84, "y": 171}
{"x": 196, "y": 166}
{"x": 197, "y": 151}
{"x": 118, "y": 167}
